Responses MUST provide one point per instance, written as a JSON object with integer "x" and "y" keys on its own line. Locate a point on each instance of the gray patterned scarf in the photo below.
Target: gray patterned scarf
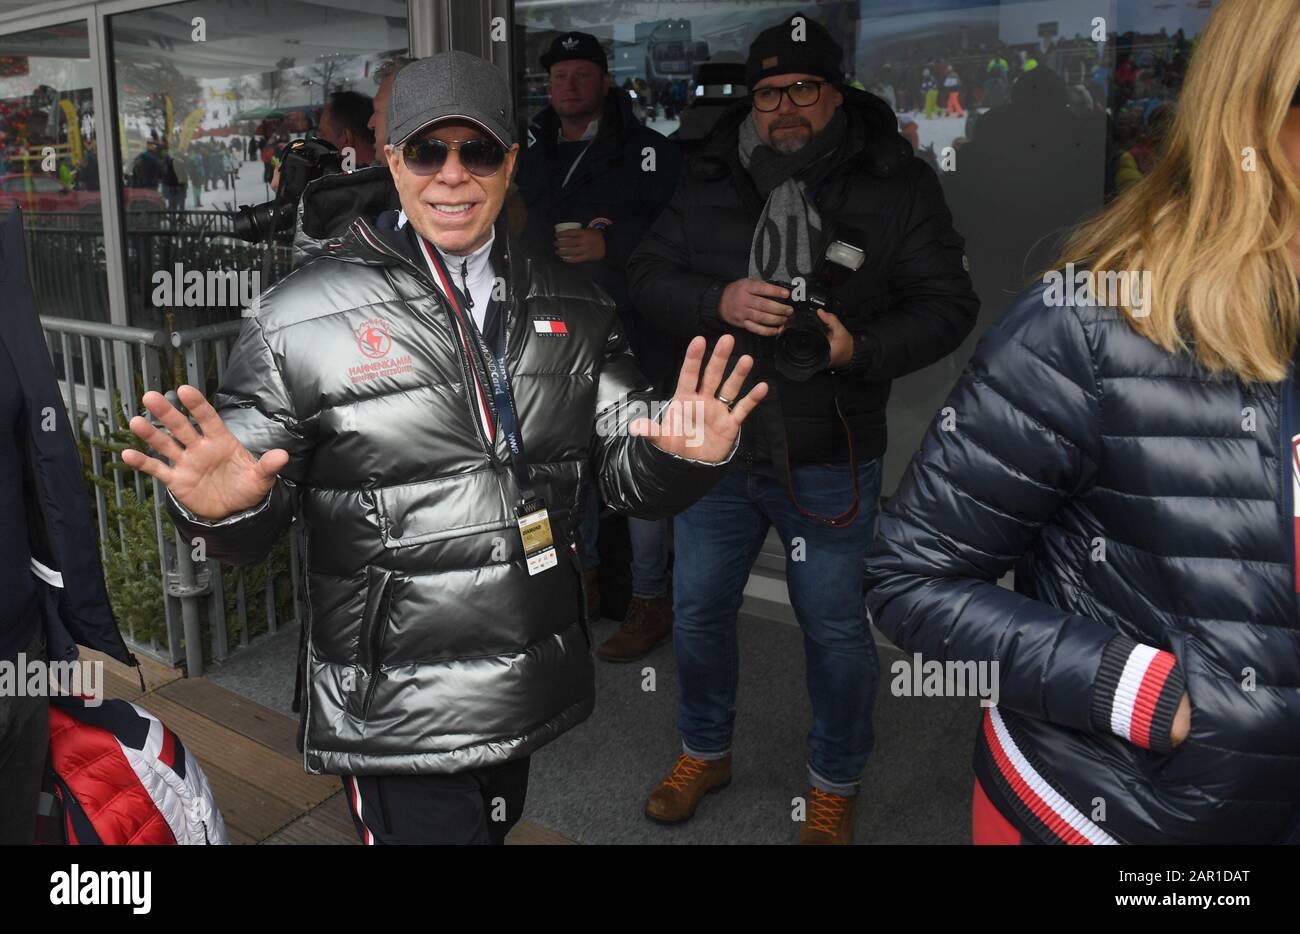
{"x": 790, "y": 225}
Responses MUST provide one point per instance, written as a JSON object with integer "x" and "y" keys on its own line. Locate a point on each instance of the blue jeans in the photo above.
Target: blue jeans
{"x": 717, "y": 541}
{"x": 649, "y": 538}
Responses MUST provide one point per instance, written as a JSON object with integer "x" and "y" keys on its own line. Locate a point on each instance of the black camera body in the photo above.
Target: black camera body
{"x": 303, "y": 161}
{"x": 803, "y": 347}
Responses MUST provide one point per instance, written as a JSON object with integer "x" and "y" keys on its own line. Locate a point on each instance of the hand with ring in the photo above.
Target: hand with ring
{"x": 704, "y": 417}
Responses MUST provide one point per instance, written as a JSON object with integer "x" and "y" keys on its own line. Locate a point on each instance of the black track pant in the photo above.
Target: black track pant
{"x": 478, "y": 806}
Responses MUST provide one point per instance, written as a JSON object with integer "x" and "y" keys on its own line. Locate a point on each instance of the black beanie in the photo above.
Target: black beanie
{"x": 777, "y": 51}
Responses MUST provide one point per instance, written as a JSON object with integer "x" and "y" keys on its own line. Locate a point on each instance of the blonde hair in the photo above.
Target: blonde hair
{"x": 1212, "y": 221}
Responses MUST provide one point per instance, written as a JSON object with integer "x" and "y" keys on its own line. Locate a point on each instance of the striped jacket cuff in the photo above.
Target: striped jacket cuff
{"x": 1137, "y": 693}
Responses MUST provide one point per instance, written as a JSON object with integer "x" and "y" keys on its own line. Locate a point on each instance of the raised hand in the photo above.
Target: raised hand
{"x": 704, "y": 417}
{"x": 211, "y": 473}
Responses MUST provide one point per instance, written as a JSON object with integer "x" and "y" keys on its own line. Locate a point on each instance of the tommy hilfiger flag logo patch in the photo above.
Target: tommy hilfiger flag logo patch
{"x": 551, "y": 326}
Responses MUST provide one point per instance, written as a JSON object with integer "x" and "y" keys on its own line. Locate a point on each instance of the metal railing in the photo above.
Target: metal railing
{"x": 66, "y": 259}
{"x": 103, "y": 370}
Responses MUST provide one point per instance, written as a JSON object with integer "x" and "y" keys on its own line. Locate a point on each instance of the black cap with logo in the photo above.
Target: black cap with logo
{"x": 582, "y": 46}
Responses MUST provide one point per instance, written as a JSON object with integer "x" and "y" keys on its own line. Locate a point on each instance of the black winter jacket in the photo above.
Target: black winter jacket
{"x": 909, "y": 305}
{"x": 611, "y": 186}
{"x": 1141, "y": 504}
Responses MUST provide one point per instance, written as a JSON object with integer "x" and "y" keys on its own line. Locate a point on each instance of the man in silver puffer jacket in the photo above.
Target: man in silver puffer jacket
{"x": 427, "y": 405}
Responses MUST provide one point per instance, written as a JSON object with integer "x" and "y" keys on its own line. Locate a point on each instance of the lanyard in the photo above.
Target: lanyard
{"x": 569, "y": 174}
{"x": 495, "y": 364}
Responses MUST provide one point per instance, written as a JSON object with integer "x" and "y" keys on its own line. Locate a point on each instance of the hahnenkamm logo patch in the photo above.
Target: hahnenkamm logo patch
{"x": 550, "y": 327}
{"x": 373, "y": 338}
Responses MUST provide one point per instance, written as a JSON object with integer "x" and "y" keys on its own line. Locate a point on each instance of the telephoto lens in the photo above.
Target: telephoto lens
{"x": 257, "y": 222}
{"x": 303, "y": 161}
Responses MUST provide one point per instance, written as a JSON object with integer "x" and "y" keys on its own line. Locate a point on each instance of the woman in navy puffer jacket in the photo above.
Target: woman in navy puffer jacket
{"x": 1133, "y": 457}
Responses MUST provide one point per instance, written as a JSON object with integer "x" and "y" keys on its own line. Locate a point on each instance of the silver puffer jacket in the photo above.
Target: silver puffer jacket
{"x": 427, "y": 645}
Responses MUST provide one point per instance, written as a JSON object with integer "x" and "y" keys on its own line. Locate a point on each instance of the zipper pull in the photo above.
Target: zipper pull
{"x": 464, "y": 283}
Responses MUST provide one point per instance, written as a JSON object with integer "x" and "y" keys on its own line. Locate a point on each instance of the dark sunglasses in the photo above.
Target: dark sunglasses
{"x": 481, "y": 157}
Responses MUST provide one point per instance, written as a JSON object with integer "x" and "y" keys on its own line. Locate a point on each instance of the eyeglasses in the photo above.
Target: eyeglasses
{"x": 481, "y": 157}
{"x": 802, "y": 94}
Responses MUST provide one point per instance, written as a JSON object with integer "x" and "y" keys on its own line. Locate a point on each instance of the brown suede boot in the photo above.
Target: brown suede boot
{"x": 591, "y": 576}
{"x": 648, "y": 623}
{"x": 829, "y": 820}
{"x": 675, "y": 799}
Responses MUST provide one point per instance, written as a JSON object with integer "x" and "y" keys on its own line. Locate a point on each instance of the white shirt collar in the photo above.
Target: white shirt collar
{"x": 479, "y": 262}
{"x": 478, "y": 279}
{"x": 589, "y": 133}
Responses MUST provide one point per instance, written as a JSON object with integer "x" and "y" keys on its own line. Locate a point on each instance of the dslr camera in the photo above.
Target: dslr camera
{"x": 302, "y": 161}
{"x": 803, "y": 349}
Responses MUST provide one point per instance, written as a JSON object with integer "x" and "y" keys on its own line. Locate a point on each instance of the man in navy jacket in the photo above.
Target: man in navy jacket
{"x": 592, "y": 167}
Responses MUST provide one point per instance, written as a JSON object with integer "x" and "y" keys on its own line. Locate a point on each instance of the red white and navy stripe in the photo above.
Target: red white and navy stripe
{"x": 123, "y": 777}
{"x": 1034, "y": 804}
{"x": 1137, "y": 692}
{"x": 440, "y": 277}
{"x": 354, "y": 799}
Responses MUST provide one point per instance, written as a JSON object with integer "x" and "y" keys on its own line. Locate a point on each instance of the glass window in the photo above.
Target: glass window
{"x": 1034, "y": 114}
{"x": 49, "y": 169}
{"x": 206, "y": 94}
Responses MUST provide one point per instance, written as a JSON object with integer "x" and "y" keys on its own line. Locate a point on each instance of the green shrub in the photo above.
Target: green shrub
{"x": 132, "y": 570}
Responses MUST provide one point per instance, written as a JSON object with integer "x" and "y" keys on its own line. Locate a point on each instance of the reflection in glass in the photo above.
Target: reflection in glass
{"x": 49, "y": 167}
{"x": 208, "y": 95}
{"x": 1033, "y": 113}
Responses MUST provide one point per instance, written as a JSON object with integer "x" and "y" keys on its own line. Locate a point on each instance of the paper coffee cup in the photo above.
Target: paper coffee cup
{"x": 568, "y": 225}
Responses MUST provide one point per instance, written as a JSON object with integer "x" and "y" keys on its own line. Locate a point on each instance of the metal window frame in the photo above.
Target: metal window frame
{"x": 40, "y": 15}
{"x": 466, "y": 25}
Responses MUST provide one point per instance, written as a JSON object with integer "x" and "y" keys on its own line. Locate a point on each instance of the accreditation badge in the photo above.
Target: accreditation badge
{"x": 535, "y": 530}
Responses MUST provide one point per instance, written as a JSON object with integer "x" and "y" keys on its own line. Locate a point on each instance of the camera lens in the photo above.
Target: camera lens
{"x": 257, "y": 222}
{"x": 803, "y": 348}
{"x": 305, "y": 160}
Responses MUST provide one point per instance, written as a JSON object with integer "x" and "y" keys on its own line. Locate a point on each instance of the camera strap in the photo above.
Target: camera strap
{"x": 780, "y": 448}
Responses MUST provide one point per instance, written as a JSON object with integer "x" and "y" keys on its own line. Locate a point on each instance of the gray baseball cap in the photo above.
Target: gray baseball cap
{"x": 450, "y": 86}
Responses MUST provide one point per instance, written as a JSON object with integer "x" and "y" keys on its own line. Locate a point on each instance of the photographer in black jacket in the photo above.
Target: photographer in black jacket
{"x": 806, "y": 167}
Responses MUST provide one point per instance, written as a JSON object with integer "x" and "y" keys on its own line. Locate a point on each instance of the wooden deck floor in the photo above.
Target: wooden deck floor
{"x": 248, "y": 753}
